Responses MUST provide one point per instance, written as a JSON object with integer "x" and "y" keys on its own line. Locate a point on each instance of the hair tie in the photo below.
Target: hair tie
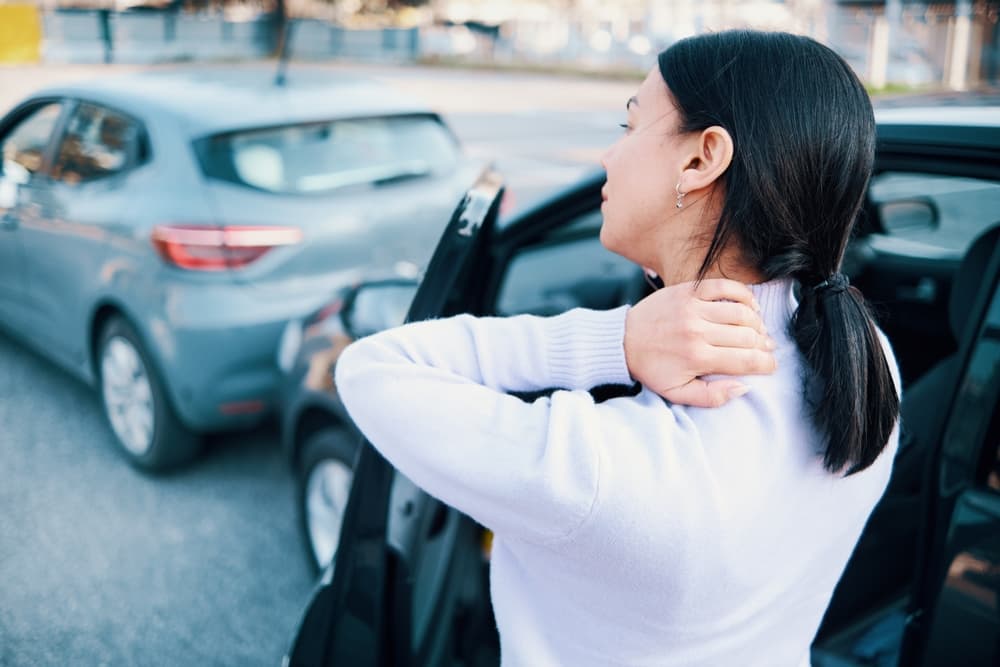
{"x": 835, "y": 284}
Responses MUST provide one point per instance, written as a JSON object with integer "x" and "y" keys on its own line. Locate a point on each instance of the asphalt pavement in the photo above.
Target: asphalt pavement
{"x": 103, "y": 565}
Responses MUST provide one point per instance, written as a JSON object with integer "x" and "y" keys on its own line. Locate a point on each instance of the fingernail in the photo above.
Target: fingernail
{"x": 756, "y": 306}
{"x": 770, "y": 344}
{"x": 736, "y": 392}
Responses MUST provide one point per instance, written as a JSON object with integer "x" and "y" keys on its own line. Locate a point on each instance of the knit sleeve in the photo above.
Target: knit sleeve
{"x": 432, "y": 398}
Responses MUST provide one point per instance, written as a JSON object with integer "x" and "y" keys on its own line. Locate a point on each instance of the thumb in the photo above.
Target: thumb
{"x": 700, "y": 394}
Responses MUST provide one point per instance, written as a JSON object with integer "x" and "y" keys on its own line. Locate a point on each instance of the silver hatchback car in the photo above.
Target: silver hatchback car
{"x": 158, "y": 230}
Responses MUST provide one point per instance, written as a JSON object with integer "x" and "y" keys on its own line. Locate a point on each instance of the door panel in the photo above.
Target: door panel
{"x": 24, "y": 149}
{"x": 369, "y": 611}
{"x": 65, "y": 240}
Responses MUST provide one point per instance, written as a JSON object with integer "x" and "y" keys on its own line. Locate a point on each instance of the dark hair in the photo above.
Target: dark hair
{"x": 804, "y": 135}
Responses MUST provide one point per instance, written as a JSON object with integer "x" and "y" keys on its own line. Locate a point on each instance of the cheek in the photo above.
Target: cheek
{"x": 640, "y": 199}
{"x": 637, "y": 178}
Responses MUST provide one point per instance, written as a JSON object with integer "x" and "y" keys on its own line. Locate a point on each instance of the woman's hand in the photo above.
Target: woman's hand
{"x": 684, "y": 331}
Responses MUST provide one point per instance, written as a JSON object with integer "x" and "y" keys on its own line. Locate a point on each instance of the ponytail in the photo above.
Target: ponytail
{"x": 852, "y": 395}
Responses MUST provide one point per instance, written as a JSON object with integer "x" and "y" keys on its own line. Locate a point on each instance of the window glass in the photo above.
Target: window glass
{"x": 24, "y": 146}
{"x": 569, "y": 271}
{"x": 945, "y": 212}
{"x": 98, "y": 143}
{"x": 324, "y": 156}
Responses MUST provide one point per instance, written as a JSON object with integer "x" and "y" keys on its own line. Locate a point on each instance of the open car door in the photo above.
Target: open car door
{"x": 950, "y": 611}
{"x": 396, "y": 592}
{"x": 954, "y": 612}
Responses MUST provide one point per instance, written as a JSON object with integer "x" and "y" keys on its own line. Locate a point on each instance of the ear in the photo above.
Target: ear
{"x": 711, "y": 155}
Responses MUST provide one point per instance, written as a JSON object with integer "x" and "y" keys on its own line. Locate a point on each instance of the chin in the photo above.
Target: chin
{"x": 615, "y": 245}
{"x": 607, "y": 239}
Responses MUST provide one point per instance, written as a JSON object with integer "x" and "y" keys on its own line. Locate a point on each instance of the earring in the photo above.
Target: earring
{"x": 680, "y": 195}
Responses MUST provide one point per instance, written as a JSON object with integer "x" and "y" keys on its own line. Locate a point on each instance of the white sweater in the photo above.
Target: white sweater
{"x": 630, "y": 532}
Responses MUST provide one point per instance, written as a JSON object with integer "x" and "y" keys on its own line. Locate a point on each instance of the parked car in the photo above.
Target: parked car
{"x": 407, "y": 582}
{"x": 157, "y": 230}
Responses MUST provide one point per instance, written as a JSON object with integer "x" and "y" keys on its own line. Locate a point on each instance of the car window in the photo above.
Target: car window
{"x": 319, "y": 157}
{"x": 569, "y": 269}
{"x": 946, "y": 212}
{"x": 24, "y": 146}
{"x": 98, "y": 143}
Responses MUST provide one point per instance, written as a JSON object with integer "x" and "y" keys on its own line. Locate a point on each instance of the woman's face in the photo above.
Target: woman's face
{"x": 641, "y": 219}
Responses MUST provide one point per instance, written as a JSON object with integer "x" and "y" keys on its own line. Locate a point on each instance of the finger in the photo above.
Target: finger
{"x": 701, "y": 394}
{"x": 730, "y": 335}
{"x": 736, "y": 361}
{"x": 723, "y": 312}
{"x": 719, "y": 289}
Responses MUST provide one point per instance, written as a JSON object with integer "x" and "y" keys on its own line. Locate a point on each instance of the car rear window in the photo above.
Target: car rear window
{"x": 319, "y": 157}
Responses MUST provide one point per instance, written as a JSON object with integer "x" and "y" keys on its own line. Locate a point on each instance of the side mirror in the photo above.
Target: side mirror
{"x": 907, "y": 215}
{"x": 376, "y": 306}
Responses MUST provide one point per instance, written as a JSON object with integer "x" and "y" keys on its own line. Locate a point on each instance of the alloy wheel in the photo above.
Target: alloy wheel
{"x": 128, "y": 395}
{"x": 327, "y": 490}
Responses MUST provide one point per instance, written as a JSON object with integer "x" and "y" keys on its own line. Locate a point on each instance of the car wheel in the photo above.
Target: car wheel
{"x": 326, "y": 471}
{"x": 135, "y": 403}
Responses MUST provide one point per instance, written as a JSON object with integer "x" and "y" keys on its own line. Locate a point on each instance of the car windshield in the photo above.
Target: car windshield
{"x": 318, "y": 157}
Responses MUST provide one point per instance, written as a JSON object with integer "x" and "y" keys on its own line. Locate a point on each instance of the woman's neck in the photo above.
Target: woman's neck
{"x": 726, "y": 266}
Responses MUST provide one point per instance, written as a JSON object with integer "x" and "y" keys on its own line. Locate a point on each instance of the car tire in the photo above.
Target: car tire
{"x": 135, "y": 402}
{"x": 325, "y": 474}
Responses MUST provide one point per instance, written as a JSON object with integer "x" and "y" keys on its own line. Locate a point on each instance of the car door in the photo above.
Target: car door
{"x": 954, "y": 613}
{"x": 25, "y": 144}
{"x": 89, "y": 191}
{"x": 405, "y": 561}
{"x": 949, "y": 613}
{"x": 428, "y": 603}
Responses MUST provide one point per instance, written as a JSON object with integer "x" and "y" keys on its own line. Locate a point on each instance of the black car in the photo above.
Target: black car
{"x": 408, "y": 584}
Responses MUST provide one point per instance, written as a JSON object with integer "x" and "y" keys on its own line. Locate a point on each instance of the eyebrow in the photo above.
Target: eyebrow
{"x": 630, "y": 101}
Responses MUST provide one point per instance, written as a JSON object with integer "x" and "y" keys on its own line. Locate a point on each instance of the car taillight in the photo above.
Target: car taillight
{"x": 211, "y": 248}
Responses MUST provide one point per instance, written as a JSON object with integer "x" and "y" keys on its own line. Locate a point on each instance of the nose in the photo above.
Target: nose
{"x": 606, "y": 156}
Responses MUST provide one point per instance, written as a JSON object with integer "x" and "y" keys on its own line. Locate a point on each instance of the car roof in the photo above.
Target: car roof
{"x": 960, "y": 126}
{"x": 213, "y": 100}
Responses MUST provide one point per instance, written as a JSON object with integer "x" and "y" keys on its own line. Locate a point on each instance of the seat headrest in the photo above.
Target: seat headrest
{"x": 968, "y": 278}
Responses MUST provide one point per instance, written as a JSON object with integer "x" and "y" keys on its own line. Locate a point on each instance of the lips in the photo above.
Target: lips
{"x": 604, "y": 195}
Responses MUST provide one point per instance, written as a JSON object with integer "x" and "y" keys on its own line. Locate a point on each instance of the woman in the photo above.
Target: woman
{"x": 640, "y": 531}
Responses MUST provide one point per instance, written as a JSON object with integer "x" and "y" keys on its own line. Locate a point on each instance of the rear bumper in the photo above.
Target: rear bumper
{"x": 217, "y": 347}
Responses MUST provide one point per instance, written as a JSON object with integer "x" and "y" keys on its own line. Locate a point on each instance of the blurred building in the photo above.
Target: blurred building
{"x": 951, "y": 43}
{"x": 911, "y": 43}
